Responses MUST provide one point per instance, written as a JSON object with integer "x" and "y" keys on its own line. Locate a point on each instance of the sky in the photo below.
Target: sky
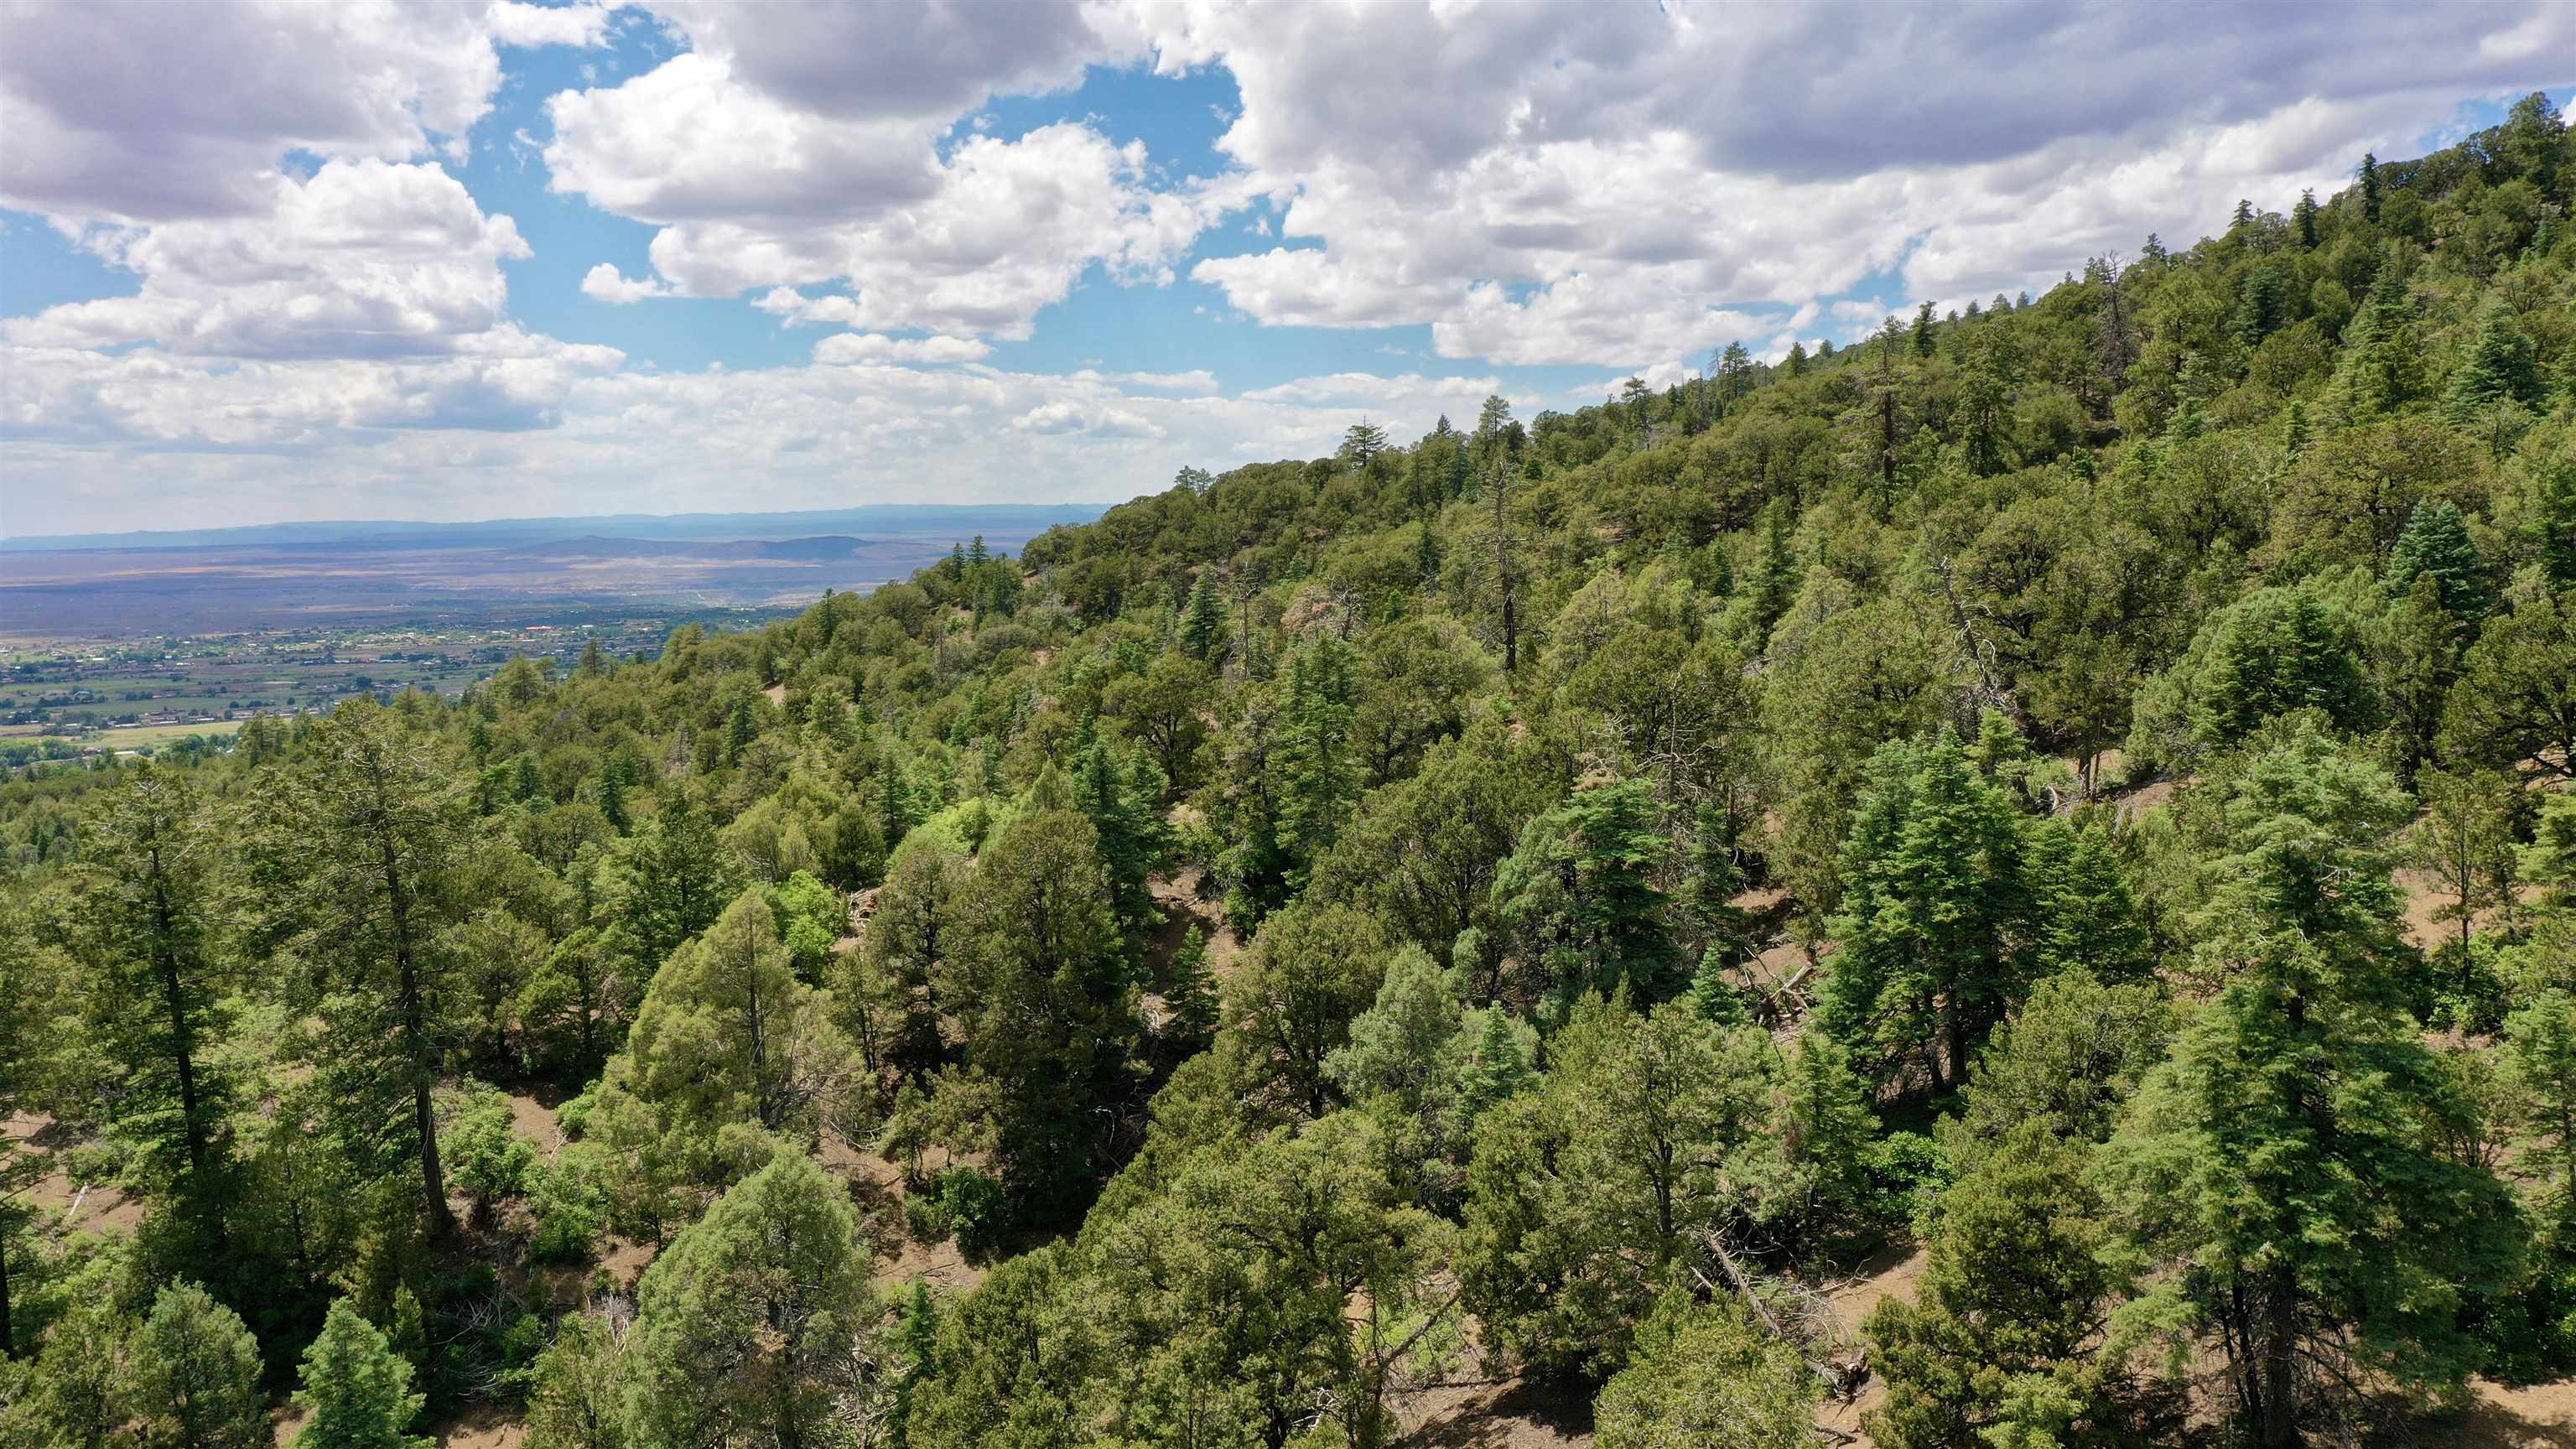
{"x": 264, "y": 260}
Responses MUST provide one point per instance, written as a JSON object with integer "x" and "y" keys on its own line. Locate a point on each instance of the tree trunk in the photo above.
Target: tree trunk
{"x": 2280, "y": 1407}
{"x": 8, "y": 1338}
{"x": 182, "y": 1037}
{"x": 424, "y": 1115}
{"x": 1503, "y": 576}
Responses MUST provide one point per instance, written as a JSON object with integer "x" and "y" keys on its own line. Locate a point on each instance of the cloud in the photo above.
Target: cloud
{"x": 1660, "y": 179}
{"x": 604, "y": 283}
{"x": 135, "y": 111}
{"x": 928, "y": 60}
{"x": 582, "y": 24}
{"x": 876, "y": 347}
{"x": 757, "y": 197}
{"x": 364, "y": 259}
{"x": 563, "y": 430}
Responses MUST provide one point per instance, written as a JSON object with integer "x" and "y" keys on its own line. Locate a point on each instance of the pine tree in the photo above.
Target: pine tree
{"x": 2368, "y": 172}
{"x": 1922, "y": 334}
{"x": 1705, "y": 1374}
{"x": 1495, "y": 1065}
{"x": 578, "y": 1387}
{"x": 748, "y": 1325}
{"x": 1712, "y": 995}
{"x": 2081, "y": 913}
{"x": 1580, "y": 889}
{"x": 1203, "y": 619}
{"x": 2383, "y": 360}
{"x": 357, "y": 1390}
{"x": 2552, "y": 524}
{"x": 2503, "y": 366}
{"x": 2437, "y": 543}
{"x": 2262, "y": 305}
{"x": 2016, "y": 1291}
{"x": 1931, "y": 886}
{"x": 1317, "y": 769}
{"x": 2304, "y": 217}
{"x": 192, "y": 1381}
{"x": 2287, "y": 1158}
{"x": 1191, "y": 1001}
{"x": 148, "y": 932}
{"x": 371, "y": 797}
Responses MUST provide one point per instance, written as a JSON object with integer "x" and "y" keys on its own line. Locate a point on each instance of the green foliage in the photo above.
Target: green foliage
{"x": 2002, "y": 1340}
{"x": 1591, "y": 1196}
{"x": 192, "y": 1380}
{"x": 1706, "y": 1374}
{"x": 2256, "y": 1153}
{"x": 1578, "y": 894}
{"x": 578, "y": 1389}
{"x": 2436, "y": 545}
{"x": 1636, "y": 700}
{"x": 1931, "y": 874}
{"x": 2274, "y": 652}
{"x": 484, "y": 1156}
{"x": 746, "y": 1323}
{"x": 356, "y": 1390}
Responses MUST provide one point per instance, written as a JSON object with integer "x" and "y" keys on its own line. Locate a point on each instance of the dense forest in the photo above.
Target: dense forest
{"x": 2083, "y": 786}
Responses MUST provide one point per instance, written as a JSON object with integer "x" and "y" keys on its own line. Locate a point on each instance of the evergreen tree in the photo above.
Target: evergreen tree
{"x": 148, "y": 929}
{"x": 2000, "y": 1336}
{"x": 2436, "y": 543}
{"x": 2304, "y": 217}
{"x": 748, "y": 1325}
{"x": 192, "y": 1381}
{"x": 2503, "y": 366}
{"x": 578, "y": 1389}
{"x": 357, "y": 1390}
{"x": 2551, "y": 526}
{"x": 1922, "y": 331}
{"x": 2383, "y": 359}
{"x": 1580, "y": 890}
{"x": 2368, "y": 173}
{"x": 1191, "y": 1004}
{"x": 1203, "y": 621}
{"x": 1318, "y": 774}
{"x": 1707, "y": 1375}
{"x": 2286, "y": 1159}
{"x": 1590, "y": 1197}
{"x": 1043, "y": 994}
{"x": 2081, "y": 913}
{"x": 1931, "y": 887}
{"x": 1495, "y": 1065}
{"x": 726, "y": 1035}
{"x": 2069, "y": 1060}
{"x": 369, "y": 796}
{"x": 675, "y": 876}
{"x": 2262, "y": 305}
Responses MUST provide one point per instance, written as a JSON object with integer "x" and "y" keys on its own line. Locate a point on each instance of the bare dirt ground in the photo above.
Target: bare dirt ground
{"x": 1500, "y": 1414}
{"x": 1187, "y": 898}
{"x": 87, "y": 1206}
{"x": 2540, "y": 1417}
{"x": 877, "y": 1186}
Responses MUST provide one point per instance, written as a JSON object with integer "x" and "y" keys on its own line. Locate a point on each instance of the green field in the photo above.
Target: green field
{"x": 135, "y": 737}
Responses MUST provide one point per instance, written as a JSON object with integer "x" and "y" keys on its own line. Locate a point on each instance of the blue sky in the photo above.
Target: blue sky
{"x": 474, "y": 258}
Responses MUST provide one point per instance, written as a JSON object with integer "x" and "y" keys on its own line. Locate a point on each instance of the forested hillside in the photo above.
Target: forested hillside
{"x": 2083, "y": 787}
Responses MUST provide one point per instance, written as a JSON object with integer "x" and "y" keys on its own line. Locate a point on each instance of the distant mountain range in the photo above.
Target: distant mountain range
{"x": 611, "y": 533}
